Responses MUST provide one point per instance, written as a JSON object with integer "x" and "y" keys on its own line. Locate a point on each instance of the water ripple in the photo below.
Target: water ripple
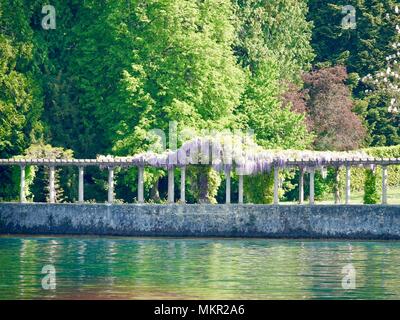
{"x": 145, "y": 268}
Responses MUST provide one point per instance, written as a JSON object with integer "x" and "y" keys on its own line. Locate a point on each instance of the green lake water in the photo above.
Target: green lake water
{"x": 148, "y": 268}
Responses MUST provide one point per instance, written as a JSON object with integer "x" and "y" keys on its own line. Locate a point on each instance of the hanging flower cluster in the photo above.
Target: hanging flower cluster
{"x": 224, "y": 152}
{"x": 388, "y": 80}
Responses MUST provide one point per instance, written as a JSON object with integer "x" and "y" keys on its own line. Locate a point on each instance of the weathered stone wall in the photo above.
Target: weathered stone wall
{"x": 283, "y": 221}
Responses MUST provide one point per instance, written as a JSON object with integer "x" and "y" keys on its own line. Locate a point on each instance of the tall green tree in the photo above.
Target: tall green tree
{"x": 183, "y": 69}
{"x": 273, "y": 44}
{"x": 363, "y": 50}
{"x": 274, "y": 29}
{"x": 20, "y": 94}
{"x": 86, "y": 55}
{"x": 261, "y": 110}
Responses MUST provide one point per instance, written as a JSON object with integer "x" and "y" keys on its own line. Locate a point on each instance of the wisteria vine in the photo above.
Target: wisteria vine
{"x": 236, "y": 152}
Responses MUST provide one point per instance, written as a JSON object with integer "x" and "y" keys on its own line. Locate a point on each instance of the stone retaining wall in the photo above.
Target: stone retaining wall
{"x": 268, "y": 221}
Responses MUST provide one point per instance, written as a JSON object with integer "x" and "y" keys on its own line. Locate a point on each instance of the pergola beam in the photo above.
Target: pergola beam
{"x": 132, "y": 163}
{"x": 309, "y": 165}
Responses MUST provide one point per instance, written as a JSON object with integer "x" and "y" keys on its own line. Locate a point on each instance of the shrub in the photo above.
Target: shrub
{"x": 259, "y": 188}
{"x": 371, "y": 195}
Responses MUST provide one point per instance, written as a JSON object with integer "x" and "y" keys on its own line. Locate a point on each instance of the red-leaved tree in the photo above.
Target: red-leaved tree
{"x": 329, "y": 107}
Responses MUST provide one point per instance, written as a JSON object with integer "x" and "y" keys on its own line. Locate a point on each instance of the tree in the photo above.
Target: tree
{"x": 85, "y": 68}
{"x": 330, "y": 107}
{"x": 274, "y": 45}
{"x": 363, "y": 50}
{"x": 20, "y": 104}
{"x": 384, "y": 86}
{"x": 274, "y": 29}
{"x": 274, "y": 125}
{"x": 384, "y": 126}
{"x": 182, "y": 70}
{"x": 66, "y": 122}
{"x": 20, "y": 95}
{"x": 371, "y": 195}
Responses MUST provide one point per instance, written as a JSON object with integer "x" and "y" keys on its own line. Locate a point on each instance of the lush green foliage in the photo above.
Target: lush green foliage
{"x": 112, "y": 71}
{"x": 371, "y": 195}
{"x": 276, "y": 30}
{"x": 261, "y": 110}
{"x": 362, "y": 50}
{"x": 183, "y": 70}
{"x": 259, "y": 188}
{"x": 20, "y": 94}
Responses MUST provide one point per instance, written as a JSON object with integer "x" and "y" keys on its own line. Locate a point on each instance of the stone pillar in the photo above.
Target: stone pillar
{"x": 312, "y": 192}
{"x": 81, "y": 198}
{"x": 276, "y": 185}
{"x": 183, "y": 184}
{"x": 171, "y": 195}
{"x": 140, "y": 184}
{"x": 348, "y": 183}
{"x": 301, "y": 186}
{"x": 240, "y": 200}
{"x": 110, "y": 185}
{"x": 228, "y": 186}
{"x": 22, "y": 198}
{"x": 52, "y": 190}
{"x": 384, "y": 184}
{"x": 336, "y": 186}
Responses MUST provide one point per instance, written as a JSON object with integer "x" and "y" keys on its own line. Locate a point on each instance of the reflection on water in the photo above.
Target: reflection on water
{"x": 131, "y": 268}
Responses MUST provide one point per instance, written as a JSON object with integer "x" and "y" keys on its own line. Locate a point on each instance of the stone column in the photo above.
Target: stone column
{"x": 228, "y": 186}
{"x": 171, "y": 195}
{"x": 384, "y": 184}
{"x": 22, "y": 197}
{"x": 301, "y": 186}
{"x": 336, "y": 186}
{"x": 183, "y": 184}
{"x": 348, "y": 183}
{"x": 81, "y": 198}
{"x": 140, "y": 184}
{"x": 240, "y": 189}
{"x": 276, "y": 185}
{"x": 52, "y": 189}
{"x": 312, "y": 192}
{"x": 110, "y": 185}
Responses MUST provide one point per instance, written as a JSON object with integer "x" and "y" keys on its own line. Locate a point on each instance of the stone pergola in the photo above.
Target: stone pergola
{"x": 305, "y": 165}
